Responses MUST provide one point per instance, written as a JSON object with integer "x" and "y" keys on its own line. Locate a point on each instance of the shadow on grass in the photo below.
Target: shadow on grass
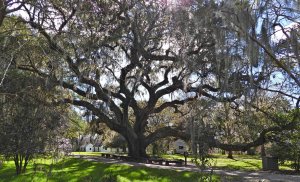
{"x": 95, "y": 171}
{"x": 82, "y": 170}
{"x": 232, "y": 179}
{"x": 241, "y": 164}
{"x": 253, "y": 164}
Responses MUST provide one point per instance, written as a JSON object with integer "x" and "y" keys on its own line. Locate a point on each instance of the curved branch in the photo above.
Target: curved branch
{"x": 4, "y": 10}
{"x": 78, "y": 90}
{"x": 166, "y": 132}
{"x": 90, "y": 107}
{"x": 173, "y": 104}
{"x": 165, "y": 81}
{"x": 257, "y": 142}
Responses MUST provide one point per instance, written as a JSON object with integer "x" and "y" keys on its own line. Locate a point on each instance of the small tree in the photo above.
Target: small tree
{"x": 28, "y": 125}
{"x": 286, "y": 146}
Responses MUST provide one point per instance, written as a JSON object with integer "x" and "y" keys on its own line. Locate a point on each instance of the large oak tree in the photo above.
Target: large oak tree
{"x": 120, "y": 59}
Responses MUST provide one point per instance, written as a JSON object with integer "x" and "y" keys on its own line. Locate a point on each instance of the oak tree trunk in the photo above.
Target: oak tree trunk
{"x": 262, "y": 150}
{"x": 136, "y": 147}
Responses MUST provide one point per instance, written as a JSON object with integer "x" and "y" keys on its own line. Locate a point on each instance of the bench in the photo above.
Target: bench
{"x": 176, "y": 162}
{"x": 106, "y": 155}
{"x": 115, "y": 156}
{"x": 158, "y": 160}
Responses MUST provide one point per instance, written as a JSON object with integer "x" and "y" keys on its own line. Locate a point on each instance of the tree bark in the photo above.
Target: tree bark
{"x": 262, "y": 150}
{"x": 2, "y": 11}
{"x": 136, "y": 147}
{"x": 20, "y": 166}
{"x": 17, "y": 165}
{"x": 25, "y": 163}
{"x": 154, "y": 149}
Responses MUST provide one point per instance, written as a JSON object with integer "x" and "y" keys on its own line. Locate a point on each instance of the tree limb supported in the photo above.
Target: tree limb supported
{"x": 257, "y": 142}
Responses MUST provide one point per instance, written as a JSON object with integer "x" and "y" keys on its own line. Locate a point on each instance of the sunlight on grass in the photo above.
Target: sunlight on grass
{"x": 240, "y": 162}
{"x": 82, "y": 170}
{"x": 72, "y": 169}
{"x": 177, "y": 156}
{"x": 87, "y": 153}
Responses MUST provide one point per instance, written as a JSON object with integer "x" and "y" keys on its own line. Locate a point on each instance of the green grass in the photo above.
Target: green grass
{"x": 177, "y": 156}
{"x": 72, "y": 169}
{"x": 219, "y": 161}
{"x": 87, "y": 153}
{"x": 240, "y": 162}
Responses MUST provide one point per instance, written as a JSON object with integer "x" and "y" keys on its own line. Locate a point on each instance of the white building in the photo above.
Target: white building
{"x": 91, "y": 148}
{"x": 179, "y": 146}
{"x": 93, "y": 143}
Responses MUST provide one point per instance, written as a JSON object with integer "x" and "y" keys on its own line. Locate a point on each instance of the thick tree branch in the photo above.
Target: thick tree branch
{"x": 257, "y": 142}
{"x": 173, "y": 104}
{"x": 64, "y": 23}
{"x": 74, "y": 67}
{"x": 91, "y": 107}
{"x": 4, "y": 9}
{"x": 176, "y": 85}
{"x": 165, "y": 81}
{"x": 78, "y": 91}
{"x": 166, "y": 132}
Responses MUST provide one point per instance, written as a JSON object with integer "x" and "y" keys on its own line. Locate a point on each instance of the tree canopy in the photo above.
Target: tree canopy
{"x": 125, "y": 61}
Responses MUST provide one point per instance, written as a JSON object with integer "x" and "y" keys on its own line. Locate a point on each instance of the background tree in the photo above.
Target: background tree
{"x": 286, "y": 145}
{"x": 75, "y": 128}
{"x": 247, "y": 37}
{"x": 114, "y": 140}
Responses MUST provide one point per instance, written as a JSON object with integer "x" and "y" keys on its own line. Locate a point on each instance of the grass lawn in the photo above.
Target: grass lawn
{"x": 87, "y": 153}
{"x": 240, "y": 162}
{"x": 72, "y": 169}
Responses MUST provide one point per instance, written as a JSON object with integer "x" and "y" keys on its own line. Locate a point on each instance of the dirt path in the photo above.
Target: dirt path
{"x": 228, "y": 175}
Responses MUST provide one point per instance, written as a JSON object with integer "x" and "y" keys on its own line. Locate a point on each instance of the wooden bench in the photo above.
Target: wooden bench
{"x": 176, "y": 162}
{"x": 106, "y": 155}
{"x": 125, "y": 158}
{"x": 158, "y": 160}
{"x": 115, "y": 156}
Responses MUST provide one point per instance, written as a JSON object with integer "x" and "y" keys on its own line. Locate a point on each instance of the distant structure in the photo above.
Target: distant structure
{"x": 91, "y": 143}
{"x": 179, "y": 146}
{"x": 87, "y": 148}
